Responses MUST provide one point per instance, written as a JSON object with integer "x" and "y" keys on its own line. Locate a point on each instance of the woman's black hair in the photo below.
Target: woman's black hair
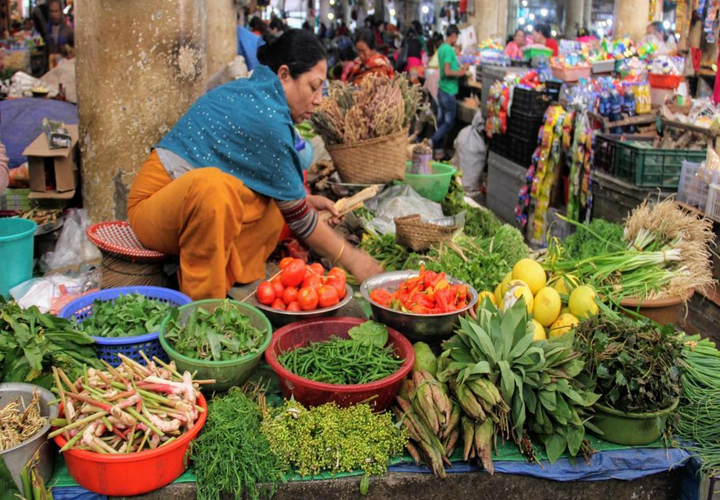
{"x": 299, "y": 50}
{"x": 544, "y": 29}
{"x": 366, "y": 35}
{"x": 257, "y": 24}
{"x": 418, "y": 27}
{"x": 520, "y": 30}
{"x": 276, "y": 23}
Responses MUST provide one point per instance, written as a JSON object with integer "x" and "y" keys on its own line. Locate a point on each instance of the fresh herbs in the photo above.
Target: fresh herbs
{"x": 633, "y": 365}
{"x": 332, "y": 439}
{"x": 479, "y": 222}
{"x": 222, "y": 334}
{"x": 362, "y": 359}
{"x": 128, "y": 315}
{"x": 386, "y": 250}
{"x": 590, "y": 240}
{"x": 31, "y": 342}
{"x": 231, "y": 456}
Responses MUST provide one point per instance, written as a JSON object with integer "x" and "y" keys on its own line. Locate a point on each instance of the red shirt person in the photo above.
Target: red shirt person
{"x": 542, "y": 36}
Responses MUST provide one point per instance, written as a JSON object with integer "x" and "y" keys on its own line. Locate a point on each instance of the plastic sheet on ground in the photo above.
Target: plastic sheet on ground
{"x": 399, "y": 201}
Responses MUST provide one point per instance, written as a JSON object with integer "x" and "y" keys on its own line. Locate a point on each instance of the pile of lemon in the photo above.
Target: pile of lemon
{"x": 545, "y": 299}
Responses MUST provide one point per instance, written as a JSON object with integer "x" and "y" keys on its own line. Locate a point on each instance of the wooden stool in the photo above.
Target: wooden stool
{"x": 126, "y": 262}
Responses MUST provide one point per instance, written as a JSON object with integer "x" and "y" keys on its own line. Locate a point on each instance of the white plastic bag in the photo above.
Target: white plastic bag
{"x": 73, "y": 247}
{"x": 399, "y": 201}
{"x": 470, "y": 154}
{"x": 52, "y": 293}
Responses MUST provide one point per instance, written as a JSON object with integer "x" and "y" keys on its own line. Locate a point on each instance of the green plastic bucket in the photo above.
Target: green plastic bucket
{"x": 227, "y": 374}
{"x": 17, "y": 237}
{"x": 631, "y": 429}
{"x": 434, "y": 186}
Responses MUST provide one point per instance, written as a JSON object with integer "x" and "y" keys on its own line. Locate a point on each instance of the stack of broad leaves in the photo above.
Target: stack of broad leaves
{"x": 231, "y": 456}
{"x": 540, "y": 395}
{"x": 698, "y": 410}
{"x": 32, "y": 342}
{"x": 129, "y": 315}
{"x": 632, "y": 365}
{"x": 223, "y": 334}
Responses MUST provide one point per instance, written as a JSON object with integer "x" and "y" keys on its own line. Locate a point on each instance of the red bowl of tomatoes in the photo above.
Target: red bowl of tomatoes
{"x": 301, "y": 291}
{"x": 422, "y": 305}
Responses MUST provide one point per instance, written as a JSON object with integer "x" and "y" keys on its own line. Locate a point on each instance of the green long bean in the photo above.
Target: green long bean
{"x": 341, "y": 361}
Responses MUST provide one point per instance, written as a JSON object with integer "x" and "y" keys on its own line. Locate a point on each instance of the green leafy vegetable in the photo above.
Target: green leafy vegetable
{"x": 218, "y": 335}
{"x": 599, "y": 237}
{"x": 370, "y": 333}
{"x": 128, "y": 315}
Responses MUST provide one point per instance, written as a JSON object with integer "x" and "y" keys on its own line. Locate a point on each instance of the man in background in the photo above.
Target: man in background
{"x": 448, "y": 87}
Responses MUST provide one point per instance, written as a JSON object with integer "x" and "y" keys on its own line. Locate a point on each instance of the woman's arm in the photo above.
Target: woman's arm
{"x": 4, "y": 172}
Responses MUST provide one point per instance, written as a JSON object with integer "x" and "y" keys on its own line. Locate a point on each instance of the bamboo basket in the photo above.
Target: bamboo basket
{"x": 418, "y": 235}
{"x": 376, "y": 161}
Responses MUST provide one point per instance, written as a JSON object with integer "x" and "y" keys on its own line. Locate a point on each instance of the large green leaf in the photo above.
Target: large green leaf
{"x": 518, "y": 413}
{"x": 521, "y": 347}
{"x": 555, "y": 446}
{"x": 370, "y": 333}
{"x": 530, "y": 398}
{"x": 575, "y": 437}
{"x": 548, "y": 400}
{"x": 507, "y": 385}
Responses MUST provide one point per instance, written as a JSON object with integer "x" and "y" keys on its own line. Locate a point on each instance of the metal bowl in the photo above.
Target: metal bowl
{"x": 430, "y": 328}
{"x": 17, "y": 457}
{"x": 281, "y": 318}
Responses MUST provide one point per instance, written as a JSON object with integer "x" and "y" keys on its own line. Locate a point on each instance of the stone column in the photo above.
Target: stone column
{"x": 631, "y": 18}
{"x": 221, "y": 40}
{"x": 140, "y": 65}
{"x": 574, "y": 17}
{"x": 490, "y": 19}
{"x": 379, "y": 10}
{"x": 587, "y": 14}
{"x": 347, "y": 12}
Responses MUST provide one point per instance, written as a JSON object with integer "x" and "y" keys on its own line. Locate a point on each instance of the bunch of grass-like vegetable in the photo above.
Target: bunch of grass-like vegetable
{"x": 667, "y": 255}
{"x": 128, "y": 315}
{"x": 378, "y": 107}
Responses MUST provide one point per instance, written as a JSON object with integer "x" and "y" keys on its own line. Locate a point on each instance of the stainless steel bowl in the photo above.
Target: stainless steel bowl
{"x": 282, "y": 318}
{"x": 18, "y": 456}
{"x": 430, "y": 328}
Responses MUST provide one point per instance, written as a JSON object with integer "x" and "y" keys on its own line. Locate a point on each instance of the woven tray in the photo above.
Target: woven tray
{"x": 376, "y": 161}
{"x": 418, "y": 235}
{"x": 118, "y": 239}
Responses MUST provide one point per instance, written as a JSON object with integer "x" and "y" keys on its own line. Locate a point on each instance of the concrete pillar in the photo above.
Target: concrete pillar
{"x": 437, "y": 7}
{"x": 574, "y": 13}
{"x": 324, "y": 11}
{"x": 587, "y": 14}
{"x": 347, "y": 14}
{"x": 490, "y": 19}
{"x": 221, "y": 43}
{"x": 631, "y": 18}
{"x": 140, "y": 65}
{"x": 379, "y": 6}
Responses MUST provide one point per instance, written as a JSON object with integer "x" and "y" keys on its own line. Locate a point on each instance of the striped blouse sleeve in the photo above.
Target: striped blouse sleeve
{"x": 299, "y": 216}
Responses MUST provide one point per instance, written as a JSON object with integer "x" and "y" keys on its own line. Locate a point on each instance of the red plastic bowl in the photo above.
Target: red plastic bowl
{"x": 310, "y": 393}
{"x": 135, "y": 473}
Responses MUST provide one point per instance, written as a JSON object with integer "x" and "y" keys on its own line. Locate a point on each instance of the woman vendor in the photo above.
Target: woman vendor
{"x": 368, "y": 61}
{"x": 217, "y": 189}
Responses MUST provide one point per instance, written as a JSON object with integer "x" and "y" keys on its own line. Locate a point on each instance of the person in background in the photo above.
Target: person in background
{"x": 342, "y": 29}
{"x": 259, "y": 28}
{"x": 4, "y": 169}
{"x": 584, "y": 36}
{"x": 666, "y": 43}
{"x": 448, "y": 87}
{"x": 514, "y": 48}
{"x": 420, "y": 34}
{"x": 368, "y": 61}
{"x": 322, "y": 31}
{"x": 248, "y": 45}
{"x": 59, "y": 36}
{"x": 277, "y": 28}
{"x": 379, "y": 33}
{"x": 414, "y": 51}
{"x": 542, "y": 36}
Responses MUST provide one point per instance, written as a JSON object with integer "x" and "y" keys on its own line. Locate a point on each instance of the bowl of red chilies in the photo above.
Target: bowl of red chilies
{"x": 422, "y": 305}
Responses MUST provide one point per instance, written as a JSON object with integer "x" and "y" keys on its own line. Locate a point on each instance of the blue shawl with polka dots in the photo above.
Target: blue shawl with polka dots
{"x": 243, "y": 128}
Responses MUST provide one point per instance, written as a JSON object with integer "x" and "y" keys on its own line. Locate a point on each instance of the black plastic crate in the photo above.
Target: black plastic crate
{"x": 499, "y": 144}
{"x": 604, "y": 149}
{"x": 522, "y": 148}
{"x": 530, "y": 102}
{"x": 524, "y": 125}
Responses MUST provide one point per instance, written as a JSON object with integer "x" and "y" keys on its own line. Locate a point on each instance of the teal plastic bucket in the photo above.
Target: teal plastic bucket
{"x": 16, "y": 252}
{"x": 434, "y": 186}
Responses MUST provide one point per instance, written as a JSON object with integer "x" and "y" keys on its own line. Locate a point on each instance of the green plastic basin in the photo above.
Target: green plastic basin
{"x": 17, "y": 237}
{"x": 631, "y": 429}
{"x": 227, "y": 374}
{"x": 433, "y": 186}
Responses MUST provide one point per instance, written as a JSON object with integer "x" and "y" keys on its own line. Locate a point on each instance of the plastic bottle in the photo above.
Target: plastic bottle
{"x": 616, "y": 110}
{"x": 629, "y": 108}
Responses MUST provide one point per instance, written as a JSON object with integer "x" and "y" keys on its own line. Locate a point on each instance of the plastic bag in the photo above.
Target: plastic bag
{"x": 73, "y": 247}
{"x": 399, "y": 201}
{"x": 52, "y": 293}
{"x": 470, "y": 154}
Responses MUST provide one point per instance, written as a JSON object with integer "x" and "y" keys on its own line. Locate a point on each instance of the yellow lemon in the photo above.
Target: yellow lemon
{"x": 531, "y": 273}
{"x": 582, "y": 302}
{"x": 546, "y": 306}
{"x": 502, "y": 288}
{"x": 539, "y": 333}
{"x": 564, "y": 324}
{"x": 563, "y": 281}
{"x": 486, "y": 295}
{"x": 517, "y": 289}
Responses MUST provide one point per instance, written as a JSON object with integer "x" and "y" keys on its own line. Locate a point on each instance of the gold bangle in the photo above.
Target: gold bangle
{"x": 342, "y": 249}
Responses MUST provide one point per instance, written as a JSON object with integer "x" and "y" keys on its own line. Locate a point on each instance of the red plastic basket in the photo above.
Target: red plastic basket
{"x": 669, "y": 82}
{"x": 134, "y": 473}
{"x": 310, "y": 393}
{"x": 117, "y": 238}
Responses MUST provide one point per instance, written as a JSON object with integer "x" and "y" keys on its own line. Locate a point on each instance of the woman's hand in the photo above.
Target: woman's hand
{"x": 320, "y": 204}
{"x": 362, "y": 265}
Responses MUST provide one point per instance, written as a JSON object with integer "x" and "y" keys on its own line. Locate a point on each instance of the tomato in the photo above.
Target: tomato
{"x": 290, "y": 295}
{"x": 338, "y": 285}
{"x": 278, "y": 304}
{"x": 278, "y": 287}
{"x": 318, "y": 269}
{"x": 381, "y": 296}
{"x": 265, "y": 293}
{"x": 312, "y": 281}
{"x": 339, "y": 273}
{"x": 308, "y": 299}
{"x": 285, "y": 262}
{"x": 293, "y": 274}
{"x": 293, "y": 307}
{"x": 327, "y": 296}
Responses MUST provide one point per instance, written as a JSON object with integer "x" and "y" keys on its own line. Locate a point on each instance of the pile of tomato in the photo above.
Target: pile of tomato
{"x": 427, "y": 293}
{"x": 303, "y": 287}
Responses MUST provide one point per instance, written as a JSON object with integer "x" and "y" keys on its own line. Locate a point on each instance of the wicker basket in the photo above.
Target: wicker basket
{"x": 376, "y": 161}
{"x": 418, "y": 235}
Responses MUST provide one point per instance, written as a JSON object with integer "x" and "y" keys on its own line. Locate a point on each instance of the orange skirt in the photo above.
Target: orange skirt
{"x": 222, "y": 231}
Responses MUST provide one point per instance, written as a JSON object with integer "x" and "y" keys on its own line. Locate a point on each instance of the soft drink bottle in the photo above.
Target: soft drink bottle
{"x": 629, "y": 108}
